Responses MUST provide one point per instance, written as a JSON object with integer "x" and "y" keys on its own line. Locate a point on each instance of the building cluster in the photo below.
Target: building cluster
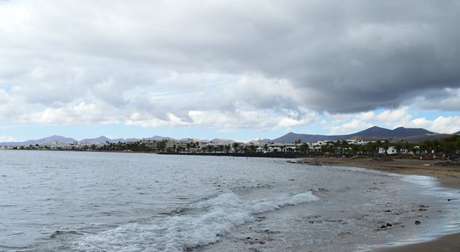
{"x": 349, "y": 147}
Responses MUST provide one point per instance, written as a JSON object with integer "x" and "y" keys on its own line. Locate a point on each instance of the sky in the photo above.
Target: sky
{"x": 226, "y": 69}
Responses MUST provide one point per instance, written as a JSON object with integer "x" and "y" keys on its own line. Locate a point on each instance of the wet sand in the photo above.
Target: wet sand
{"x": 448, "y": 175}
{"x": 450, "y": 243}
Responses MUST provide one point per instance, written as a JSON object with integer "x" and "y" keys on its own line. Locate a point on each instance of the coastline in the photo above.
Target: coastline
{"x": 448, "y": 176}
{"x": 448, "y": 243}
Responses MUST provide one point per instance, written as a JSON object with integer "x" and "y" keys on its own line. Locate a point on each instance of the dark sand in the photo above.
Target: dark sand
{"x": 450, "y": 243}
{"x": 448, "y": 175}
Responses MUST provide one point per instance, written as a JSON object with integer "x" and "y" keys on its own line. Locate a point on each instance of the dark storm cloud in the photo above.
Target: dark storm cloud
{"x": 356, "y": 55}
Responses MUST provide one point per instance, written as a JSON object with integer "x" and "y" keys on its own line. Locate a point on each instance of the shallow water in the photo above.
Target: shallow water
{"x": 76, "y": 201}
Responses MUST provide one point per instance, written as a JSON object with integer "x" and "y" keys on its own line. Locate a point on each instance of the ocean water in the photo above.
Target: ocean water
{"x": 78, "y": 201}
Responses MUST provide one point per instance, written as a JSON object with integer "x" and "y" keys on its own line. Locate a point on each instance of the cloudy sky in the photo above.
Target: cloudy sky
{"x": 230, "y": 69}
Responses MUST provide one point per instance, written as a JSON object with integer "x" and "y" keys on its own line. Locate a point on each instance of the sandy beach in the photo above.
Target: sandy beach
{"x": 450, "y": 243}
{"x": 448, "y": 175}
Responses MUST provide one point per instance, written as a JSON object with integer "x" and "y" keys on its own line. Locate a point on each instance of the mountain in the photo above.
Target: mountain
{"x": 410, "y": 132}
{"x": 51, "y": 140}
{"x": 458, "y": 133}
{"x": 398, "y": 133}
{"x": 372, "y": 133}
{"x": 221, "y": 141}
{"x": 97, "y": 141}
{"x": 157, "y": 138}
{"x": 261, "y": 141}
{"x": 292, "y": 137}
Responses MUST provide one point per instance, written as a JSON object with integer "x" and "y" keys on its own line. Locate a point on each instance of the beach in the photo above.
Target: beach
{"x": 449, "y": 243}
{"x": 448, "y": 176}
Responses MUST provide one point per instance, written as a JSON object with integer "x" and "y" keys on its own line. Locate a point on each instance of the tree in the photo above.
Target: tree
{"x": 162, "y": 145}
{"x": 236, "y": 147}
{"x": 304, "y": 148}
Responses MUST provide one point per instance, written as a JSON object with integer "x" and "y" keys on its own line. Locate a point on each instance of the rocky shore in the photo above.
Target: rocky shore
{"x": 446, "y": 172}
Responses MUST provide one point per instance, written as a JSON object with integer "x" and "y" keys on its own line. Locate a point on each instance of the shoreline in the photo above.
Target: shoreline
{"x": 448, "y": 176}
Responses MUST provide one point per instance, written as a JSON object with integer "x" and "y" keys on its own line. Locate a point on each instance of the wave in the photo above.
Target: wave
{"x": 205, "y": 224}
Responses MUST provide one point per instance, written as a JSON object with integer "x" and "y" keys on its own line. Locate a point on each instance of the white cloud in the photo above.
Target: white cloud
{"x": 442, "y": 124}
{"x": 227, "y": 64}
{"x": 7, "y": 139}
{"x": 348, "y": 123}
{"x": 399, "y": 117}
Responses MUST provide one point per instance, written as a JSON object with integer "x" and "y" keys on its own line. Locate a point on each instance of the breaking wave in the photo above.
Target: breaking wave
{"x": 204, "y": 224}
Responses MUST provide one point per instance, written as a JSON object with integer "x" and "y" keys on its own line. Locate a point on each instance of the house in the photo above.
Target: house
{"x": 355, "y": 141}
{"x": 261, "y": 149}
{"x": 290, "y": 148}
{"x": 382, "y": 150}
{"x": 275, "y": 148}
{"x": 404, "y": 151}
{"x": 317, "y": 145}
{"x": 392, "y": 150}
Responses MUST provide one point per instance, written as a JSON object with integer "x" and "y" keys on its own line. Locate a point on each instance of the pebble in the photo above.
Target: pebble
{"x": 388, "y": 225}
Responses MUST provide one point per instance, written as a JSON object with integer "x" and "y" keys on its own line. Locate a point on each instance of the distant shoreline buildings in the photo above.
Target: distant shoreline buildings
{"x": 448, "y": 148}
{"x": 442, "y": 147}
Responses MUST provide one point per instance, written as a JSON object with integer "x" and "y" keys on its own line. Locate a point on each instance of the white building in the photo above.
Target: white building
{"x": 392, "y": 150}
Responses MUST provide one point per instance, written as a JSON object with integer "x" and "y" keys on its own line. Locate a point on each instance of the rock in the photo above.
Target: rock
{"x": 387, "y": 225}
{"x": 417, "y": 222}
{"x": 343, "y": 234}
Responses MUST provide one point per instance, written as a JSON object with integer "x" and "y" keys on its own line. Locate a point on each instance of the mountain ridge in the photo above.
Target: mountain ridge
{"x": 372, "y": 133}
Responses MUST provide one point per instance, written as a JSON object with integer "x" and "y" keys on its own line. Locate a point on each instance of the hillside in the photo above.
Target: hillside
{"x": 96, "y": 141}
{"x": 372, "y": 133}
{"x": 51, "y": 140}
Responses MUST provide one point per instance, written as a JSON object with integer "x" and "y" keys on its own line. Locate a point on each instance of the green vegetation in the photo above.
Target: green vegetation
{"x": 448, "y": 148}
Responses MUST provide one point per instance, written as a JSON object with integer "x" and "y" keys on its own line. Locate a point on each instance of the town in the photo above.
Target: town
{"x": 445, "y": 149}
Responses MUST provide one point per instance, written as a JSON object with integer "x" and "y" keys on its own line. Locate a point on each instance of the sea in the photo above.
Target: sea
{"x": 94, "y": 201}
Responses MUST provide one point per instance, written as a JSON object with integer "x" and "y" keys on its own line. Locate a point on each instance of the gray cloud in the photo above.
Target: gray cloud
{"x": 151, "y": 59}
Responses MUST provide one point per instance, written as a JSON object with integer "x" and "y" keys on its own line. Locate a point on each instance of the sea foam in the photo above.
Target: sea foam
{"x": 208, "y": 221}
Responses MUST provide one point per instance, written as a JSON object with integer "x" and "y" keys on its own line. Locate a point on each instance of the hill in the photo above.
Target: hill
{"x": 51, "y": 140}
{"x": 97, "y": 141}
{"x": 292, "y": 137}
{"x": 373, "y": 133}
